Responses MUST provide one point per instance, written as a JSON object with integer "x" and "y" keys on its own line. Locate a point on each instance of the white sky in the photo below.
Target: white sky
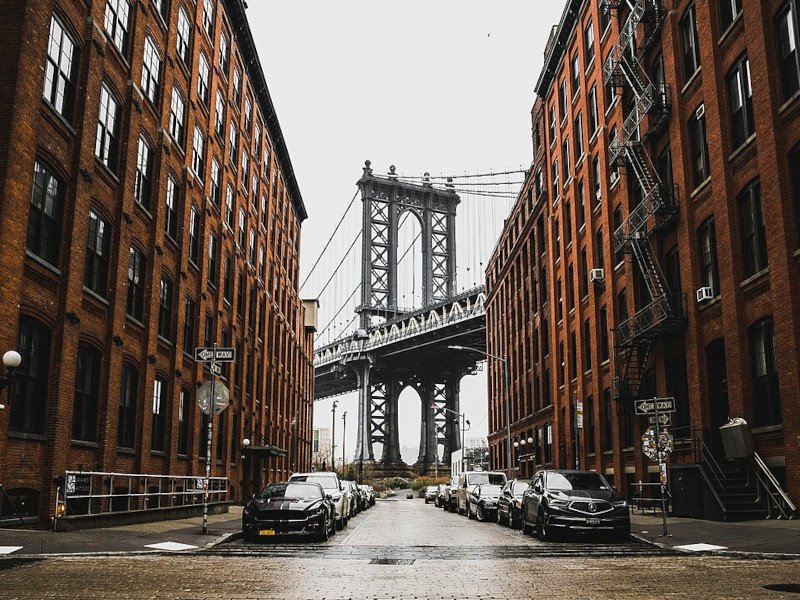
{"x": 436, "y": 85}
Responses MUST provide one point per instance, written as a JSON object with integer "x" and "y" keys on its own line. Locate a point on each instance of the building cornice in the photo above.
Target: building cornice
{"x": 557, "y": 45}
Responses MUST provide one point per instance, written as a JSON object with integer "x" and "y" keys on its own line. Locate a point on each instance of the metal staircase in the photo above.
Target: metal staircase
{"x": 624, "y": 69}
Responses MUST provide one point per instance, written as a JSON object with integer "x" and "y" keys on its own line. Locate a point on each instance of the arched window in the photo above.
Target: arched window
{"x": 160, "y": 409}
{"x": 44, "y": 220}
{"x": 126, "y": 423}
{"x": 766, "y": 396}
{"x": 87, "y": 386}
{"x": 30, "y": 392}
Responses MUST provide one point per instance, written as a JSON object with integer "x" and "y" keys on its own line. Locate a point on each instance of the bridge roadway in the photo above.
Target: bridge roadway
{"x": 404, "y": 549}
{"x": 414, "y": 341}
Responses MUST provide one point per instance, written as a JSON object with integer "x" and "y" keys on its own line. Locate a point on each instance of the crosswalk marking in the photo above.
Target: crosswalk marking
{"x": 700, "y": 547}
{"x": 9, "y": 549}
{"x": 171, "y": 546}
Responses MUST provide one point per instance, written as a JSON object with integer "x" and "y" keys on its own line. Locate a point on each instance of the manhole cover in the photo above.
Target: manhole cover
{"x": 793, "y": 588}
{"x": 392, "y": 561}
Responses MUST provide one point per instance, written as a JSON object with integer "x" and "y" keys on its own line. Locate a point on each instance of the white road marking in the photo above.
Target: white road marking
{"x": 9, "y": 549}
{"x": 171, "y": 546}
{"x": 700, "y": 547}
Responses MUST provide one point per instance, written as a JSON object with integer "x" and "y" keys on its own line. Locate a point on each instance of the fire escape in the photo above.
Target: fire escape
{"x": 624, "y": 70}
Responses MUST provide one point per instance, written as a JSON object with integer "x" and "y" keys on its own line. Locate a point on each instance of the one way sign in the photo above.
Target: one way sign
{"x": 648, "y": 407}
{"x": 221, "y": 355}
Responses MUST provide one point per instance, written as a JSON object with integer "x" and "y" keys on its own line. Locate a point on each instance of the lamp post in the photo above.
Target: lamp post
{"x": 11, "y": 360}
{"x": 344, "y": 432}
{"x": 333, "y": 436}
{"x": 245, "y": 446}
{"x": 464, "y": 420}
{"x": 506, "y": 388}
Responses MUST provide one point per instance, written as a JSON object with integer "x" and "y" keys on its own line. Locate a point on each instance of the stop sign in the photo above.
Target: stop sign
{"x": 220, "y": 400}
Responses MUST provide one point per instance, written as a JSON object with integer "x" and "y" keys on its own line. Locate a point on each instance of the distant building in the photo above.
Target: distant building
{"x": 321, "y": 448}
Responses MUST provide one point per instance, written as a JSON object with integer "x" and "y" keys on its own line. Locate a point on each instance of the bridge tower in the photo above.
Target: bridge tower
{"x": 385, "y": 200}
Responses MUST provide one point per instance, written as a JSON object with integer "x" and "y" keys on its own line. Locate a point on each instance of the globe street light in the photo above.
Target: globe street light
{"x": 507, "y": 394}
{"x": 11, "y": 360}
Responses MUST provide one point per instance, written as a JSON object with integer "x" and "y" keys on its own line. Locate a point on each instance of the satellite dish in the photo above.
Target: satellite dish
{"x": 221, "y": 399}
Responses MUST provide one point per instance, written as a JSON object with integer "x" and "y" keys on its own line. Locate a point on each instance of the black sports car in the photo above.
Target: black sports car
{"x": 296, "y": 508}
{"x": 483, "y": 501}
{"x": 574, "y": 501}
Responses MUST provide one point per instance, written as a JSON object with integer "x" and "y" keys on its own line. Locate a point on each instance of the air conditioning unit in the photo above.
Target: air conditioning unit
{"x": 704, "y": 293}
{"x": 597, "y": 275}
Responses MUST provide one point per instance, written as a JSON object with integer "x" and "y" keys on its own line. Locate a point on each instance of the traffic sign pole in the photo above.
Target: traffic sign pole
{"x": 204, "y": 530}
{"x": 661, "y": 472}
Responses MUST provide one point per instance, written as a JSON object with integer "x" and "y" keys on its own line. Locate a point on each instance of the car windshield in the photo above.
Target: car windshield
{"x": 490, "y": 490}
{"x": 432, "y": 488}
{"x": 328, "y": 482}
{"x": 493, "y": 478}
{"x": 576, "y": 481}
{"x": 520, "y": 487}
{"x": 303, "y": 491}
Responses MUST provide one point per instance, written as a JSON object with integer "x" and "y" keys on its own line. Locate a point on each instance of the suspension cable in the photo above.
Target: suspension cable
{"x": 336, "y": 270}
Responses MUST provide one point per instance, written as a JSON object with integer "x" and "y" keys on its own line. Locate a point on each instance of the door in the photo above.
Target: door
{"x": 718, "y": 408}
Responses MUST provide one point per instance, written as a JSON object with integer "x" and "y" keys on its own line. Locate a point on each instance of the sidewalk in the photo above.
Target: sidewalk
{"x": 765, "y": 539}
{"x": 177, "y": 535}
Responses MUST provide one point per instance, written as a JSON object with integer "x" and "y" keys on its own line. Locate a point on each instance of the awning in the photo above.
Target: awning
{"x": 268, "y": 450}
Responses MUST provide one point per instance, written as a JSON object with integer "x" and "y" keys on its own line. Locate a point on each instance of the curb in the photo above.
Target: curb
{"x": 720, "y": 553}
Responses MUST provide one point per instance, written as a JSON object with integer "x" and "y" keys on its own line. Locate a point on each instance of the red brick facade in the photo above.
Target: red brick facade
{"x": 715, "y": 355}
{"x": 242, "y": 295}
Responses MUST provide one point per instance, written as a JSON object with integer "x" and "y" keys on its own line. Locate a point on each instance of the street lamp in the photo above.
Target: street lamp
{"x": 11, "y": 360}
{"x": 463, "y": 418}
{"x": 344, "y": 432}
{"x": 506, "y": 387}
{"x": 333, "y": 435}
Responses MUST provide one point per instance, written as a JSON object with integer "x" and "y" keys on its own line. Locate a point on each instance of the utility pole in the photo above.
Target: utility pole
{"x": 344, "y": 433}
{"x": 333, "y": 436}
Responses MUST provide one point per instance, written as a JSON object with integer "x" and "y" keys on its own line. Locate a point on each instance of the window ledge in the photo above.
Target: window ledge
{"x": 700, "y": 188}
{"x": 95, "y": 296}
{"x": 695, "y": 78}
{"x": 594, "y": 136}
{"x": 619, "y": 265}
{"x": 709, "y": 303}
{"x": 85, "y": 444}
{"x": 588, "y": 68}
{"x": 796, "y": 253}
{"x": 22, "y": 435}
{"x": 134, "y": 321}
{"x": 613, "y": 104}
{"x": 128, "y": 451}
{"x": 768, "y": 428}
{"x": 106, "y": 171}
{"x": 754, "y": 279}
{"x": 735, "y": 26}
{"x": 40, "y": 261}
{"x": 790, "y": 104}
{"x": 158, "y": 453}
{"x": 743, "y": 148}
{"x": 608, "y": 453}
{"x": 62, "y": 120}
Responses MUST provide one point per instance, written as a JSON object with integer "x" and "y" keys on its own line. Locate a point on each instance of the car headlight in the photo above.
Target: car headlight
{"x": 558, "y": 503}
{"x": 619, "y": 503}
{"x": 336, "y": 497}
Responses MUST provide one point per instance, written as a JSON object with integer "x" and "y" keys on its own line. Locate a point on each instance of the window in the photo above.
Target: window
{"x": 60, "y": 70}
{"x": 219, "y": 115}
{"x": 555, "y": 180}
{"x": 786, "y": 24}
{"x": 224, "y": 56}
{"x": 232, "y": 144}
{"x": 106, "y": 143}
{"x": 162, "y": 6}
{"x": 208, "y": 17}
{"x": 573, "y": 356}
{"x": 245, "y": 173}
{"x": 597, "y": 175}
{"x": 562, "y": 100}
{"x": 126, "y": 421}
{"x": 552, "y": 124}
{"x": 754, "y": 239}
{"x": 588, "y": 48}
{"x": 252, "y": 247}
{"x": 608, "y": 420}
{"x": 202, "y": 79}
{"x": 561, "y": 363}
{"x": 604, "y": 356}
{"x": 584, "y": 281}
{"x": 556, "y": 238}
{"x": 116, "y": 23}
{"x": 229, "y": 206}
{"x": 599, "y": 255}
{"x": 587, "y": 345}
{"x": 248, "y": 115}
{"x": 184, "y": 417}
{"x": 576, "y": 74}
{"x": 95, "y": 276}
{"x": 227, "y": 281}
{"x": 213, "y": 260}
{"x": 594, "y": 121}
{"x": 794, "y": 170}
{"x": 144, "y": 174}
{"x": 241, "y": 297}
{"x": 766, "y": 393}
{"x": 740, "y": 97}
{"x": 184, "y": 43}
{"x": 165, "y": 308}
{"x": 198, "y": 152}
{"x": 151, "y": 70}
{"x": 189, "y": 328}
{"x": 159, "y": 414}
{"x": 87, "y": 392}
{"x": 570, "y": 287}
{"x": 171, "y": 221}
{"x": 689, "y": 43}
{"x": 567, "y": 223}
{"x": 208, "y": 336}
{"x": 728, "y": 11}
{"x": 215, "y": 181}
{"x": 697, "y": 134}
{"x": 262, "y": 265}
{"x": 44, "y": 219}
{"x": 588, "y": 423}
{"x": 29, "y": 394}
{"x": 565, "y": 160}
{"x": 707, "y": 239}
{"x": 177, "y": 117}
{"x": 579, "y": 137}
{"x": 548, "y": 444}
{"x": 242, "y": 228}
{"x": 619, "y": 255}
{"x": 136, "y": 272}
{"x": 560, "y": 302}
{"x": 237, "y": 86}
{"x": 194, "y": 234}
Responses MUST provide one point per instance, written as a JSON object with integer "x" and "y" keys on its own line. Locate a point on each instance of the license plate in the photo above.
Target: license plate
{"x": 266, "y": 532}
{"x": 592, "y": 521}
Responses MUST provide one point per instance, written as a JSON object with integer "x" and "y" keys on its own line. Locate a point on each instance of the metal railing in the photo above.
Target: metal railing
{"x": 647, "y": 319}
{"x": 638, "y": 500}
{"x": 93, "y": 492}
{"x": 777, "y": 499}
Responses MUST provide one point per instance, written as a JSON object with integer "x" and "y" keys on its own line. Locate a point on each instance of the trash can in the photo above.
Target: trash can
{"x": 737, "y": 439}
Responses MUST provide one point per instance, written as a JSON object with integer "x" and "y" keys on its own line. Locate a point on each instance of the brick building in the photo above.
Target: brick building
{"x": 147, "y": 206}
{"x": 654, "y": 248}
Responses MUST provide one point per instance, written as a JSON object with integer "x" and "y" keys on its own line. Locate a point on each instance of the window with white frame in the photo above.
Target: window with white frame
{"x": 237, "y": 86}
{"x": 203, "y": 73}
{"x": 171, "y": 222}
{"x": 107, "y": 141}
{"x": 198, "y": 152}
{"x": 219, "y": 115}
{"x": 59, "y": 75}
{"x": 229, "y": 206}
{"x": 233, "y": 141}
{"x": 184, "y": 37}
{"x": 208, "y": 17}
{"x": 216, "y": 182}
{"x": 144, "y": 173}
{"x": 116, "y": 23}
{"x": 223, "y": 53}
{"x": 151, "y": 70}
{"x": 242, "y": 227}
{"x": 177, "y": 117}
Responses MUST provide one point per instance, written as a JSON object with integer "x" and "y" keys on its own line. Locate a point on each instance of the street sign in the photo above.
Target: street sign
{"x": 215, "y": 368}
{"x": 579, "y": 414}
{"x": 664, "y": 419}
{"x": 222, "y": 354}
{"x": 221, "y": 397}
{"x": 648, "y": 407}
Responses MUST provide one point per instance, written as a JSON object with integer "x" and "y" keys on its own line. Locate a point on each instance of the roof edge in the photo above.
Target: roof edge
{"x": 557, "y": 45}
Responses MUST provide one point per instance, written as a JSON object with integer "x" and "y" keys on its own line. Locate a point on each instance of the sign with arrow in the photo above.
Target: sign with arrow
{"x": 653, "y": 405}
{"x": 220, "y": 355}
{"x": 664, "y": 419}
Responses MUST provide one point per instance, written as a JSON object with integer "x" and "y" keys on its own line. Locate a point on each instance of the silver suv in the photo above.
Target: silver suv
{"x": 469, "y": 479}
{"x": 339, "y": 493}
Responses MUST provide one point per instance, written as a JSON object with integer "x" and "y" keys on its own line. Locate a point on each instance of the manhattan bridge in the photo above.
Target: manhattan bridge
{"x": 401, "y": 288}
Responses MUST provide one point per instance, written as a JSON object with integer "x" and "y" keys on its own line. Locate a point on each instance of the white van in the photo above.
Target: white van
{"x": 469, "y": 479}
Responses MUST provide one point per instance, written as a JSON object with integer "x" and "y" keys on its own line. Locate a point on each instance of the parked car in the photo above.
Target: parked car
{"x": 371, "y": 495}
{"x": 469, "y": 479}
{"x": 352, "y": 489}
{"x": 483, "y": 501}
{"x": 509, "y": 506}
{"x": 363, "y": 497}
{"x": 440, "y": 489}
{"x": 449, "y": 500}
{"x": 430, "y": 493}
{"x": 282, "y": 509}
{"x": 574, "y": 501}
{"x": 337, "y": 490}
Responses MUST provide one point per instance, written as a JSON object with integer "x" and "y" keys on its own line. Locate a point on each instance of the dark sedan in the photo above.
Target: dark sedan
{"x": 482, "y": 501}
{"x": 509, "y": 506}
{"x": 574, "y": 501}
{"x": 289, "y": 509}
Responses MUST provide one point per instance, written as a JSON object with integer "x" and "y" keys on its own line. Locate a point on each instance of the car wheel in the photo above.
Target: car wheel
{"x": 332, "y": 530}
{"x": 499, "y": 517}
{"x": 511, "y": 521}
{"x": 480, "y": 513}
{"x": 546, "y": 533}
{"x": 340, "y": 524}
{"x": 324, "y": 533}
{"x": 526, "y": 528}
{"x": 345, "y": 520}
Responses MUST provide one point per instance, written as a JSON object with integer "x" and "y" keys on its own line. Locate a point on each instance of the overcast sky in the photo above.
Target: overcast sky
{"x": 439, "y": 86}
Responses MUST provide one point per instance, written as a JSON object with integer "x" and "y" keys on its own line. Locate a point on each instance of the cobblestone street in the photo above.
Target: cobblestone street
{"x": 405, "y": 549}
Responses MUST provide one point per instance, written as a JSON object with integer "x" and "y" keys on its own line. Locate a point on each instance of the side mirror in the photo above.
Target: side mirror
{"x": 328, "y": 497}
{"x": 341, "y": 487}
{"x": 254, "y": 496}
{"x": 538, "y": 488}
